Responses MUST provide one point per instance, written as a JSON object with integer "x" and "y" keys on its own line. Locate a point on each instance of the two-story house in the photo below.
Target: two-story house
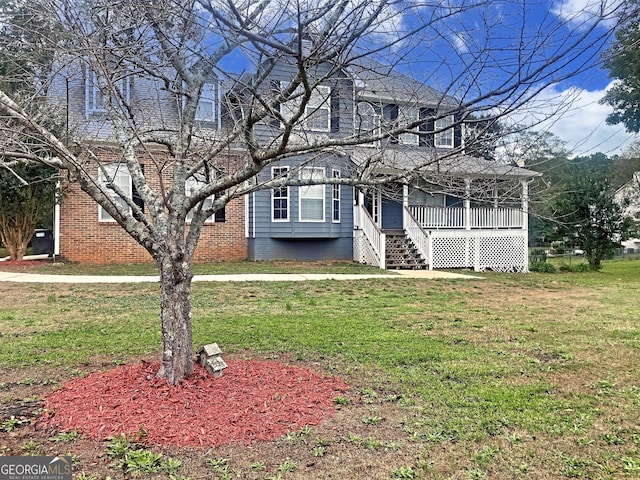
{"x": 453, "y": 211}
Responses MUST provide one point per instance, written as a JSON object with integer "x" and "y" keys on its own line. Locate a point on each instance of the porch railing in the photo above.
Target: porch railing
{"x": 455, "y": 217}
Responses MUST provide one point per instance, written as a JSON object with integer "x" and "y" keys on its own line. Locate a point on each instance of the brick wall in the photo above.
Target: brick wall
{"x": 83, "y": 238}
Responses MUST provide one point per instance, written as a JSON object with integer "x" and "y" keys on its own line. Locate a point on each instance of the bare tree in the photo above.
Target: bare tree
{"x": 485, "y": 59}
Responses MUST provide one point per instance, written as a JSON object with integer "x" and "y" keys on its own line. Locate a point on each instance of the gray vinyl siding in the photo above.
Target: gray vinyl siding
{"x": 300, "y": 249}
{"x": 263, "y": 225}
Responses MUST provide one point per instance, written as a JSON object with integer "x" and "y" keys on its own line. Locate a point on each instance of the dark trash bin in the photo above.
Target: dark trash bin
{"x": 42, "y": 242}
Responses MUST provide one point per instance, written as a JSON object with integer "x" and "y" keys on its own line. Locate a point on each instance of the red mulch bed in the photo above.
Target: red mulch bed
{"x": 253, "y": 400}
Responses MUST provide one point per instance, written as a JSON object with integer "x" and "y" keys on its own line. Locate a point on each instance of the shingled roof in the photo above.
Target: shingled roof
{"x": 375, "y": 80}
{"x": 394, "y": 160}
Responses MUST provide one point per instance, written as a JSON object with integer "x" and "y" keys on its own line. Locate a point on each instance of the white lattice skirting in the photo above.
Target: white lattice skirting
{"x": 363, "y": 251}
{"x": 501, "y": 251}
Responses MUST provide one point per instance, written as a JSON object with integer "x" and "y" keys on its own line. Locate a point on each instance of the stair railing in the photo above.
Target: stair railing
{"x": 417, "y": 234}
{"x": 373, "y": 234}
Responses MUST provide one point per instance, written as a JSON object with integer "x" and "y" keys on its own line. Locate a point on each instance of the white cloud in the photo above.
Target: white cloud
{"x": 576, "y": 116}
{"x": 583, "y": 13}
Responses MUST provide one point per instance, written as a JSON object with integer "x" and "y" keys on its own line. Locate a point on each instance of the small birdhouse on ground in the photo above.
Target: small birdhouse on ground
{"x": 209, "y": 358}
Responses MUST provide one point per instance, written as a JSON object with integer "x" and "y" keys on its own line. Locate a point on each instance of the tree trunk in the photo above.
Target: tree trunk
{"x": 175, "y": 314}
{"x": 16, "y": 239}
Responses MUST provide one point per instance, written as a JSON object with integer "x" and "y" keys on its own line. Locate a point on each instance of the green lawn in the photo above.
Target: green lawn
{"x": 512, "y": 376}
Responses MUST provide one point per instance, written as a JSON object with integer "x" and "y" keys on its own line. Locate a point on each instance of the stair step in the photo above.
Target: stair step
{"x": 401, "y": 253}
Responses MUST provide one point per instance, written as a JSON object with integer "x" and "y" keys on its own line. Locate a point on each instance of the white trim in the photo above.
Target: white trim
{"x": 406, "y": 115}
{"x": 92, "y": 96}
{"x": 94, "y": 100}
{"x": 56, "y": 222}
{"x": 192, "y": 184}
{"x": 367, "y": 122}
{"x": 318, "y": 102}
{"x": 209, "y": 95}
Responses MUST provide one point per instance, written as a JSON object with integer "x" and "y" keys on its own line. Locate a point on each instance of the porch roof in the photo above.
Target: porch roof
{"x": 426, "y": 162}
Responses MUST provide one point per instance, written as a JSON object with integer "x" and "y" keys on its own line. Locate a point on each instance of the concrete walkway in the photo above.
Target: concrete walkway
{"x": 248, "y": 277}
{"x": 242, "y": 277}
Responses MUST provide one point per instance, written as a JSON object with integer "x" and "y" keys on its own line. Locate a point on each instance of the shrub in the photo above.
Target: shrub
{"x": 558, "y": 247}
{"x": 541, "y": 266}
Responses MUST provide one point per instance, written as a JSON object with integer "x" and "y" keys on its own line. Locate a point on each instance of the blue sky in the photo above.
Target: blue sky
{"x": 569, "y": 108}
{"x": 582, "y": 124}
{"x": 580, "y": 118}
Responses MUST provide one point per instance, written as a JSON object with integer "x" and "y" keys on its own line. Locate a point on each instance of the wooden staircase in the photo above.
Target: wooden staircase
{"x": 401, "y": 253}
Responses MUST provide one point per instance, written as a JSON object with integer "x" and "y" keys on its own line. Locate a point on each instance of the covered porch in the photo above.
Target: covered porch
{"x": 477, "y": 226}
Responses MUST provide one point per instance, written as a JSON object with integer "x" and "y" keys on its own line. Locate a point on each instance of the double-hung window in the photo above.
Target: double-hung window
{"x": 119, "y": 175}
{"x": 312, "y": 196}
{"x": 444, "y": 132}
{"x": 317, "y": 111}
{"x": 192, "y": 185}
{"x": 367, "y": 121}
{"x": 406, "y": 116}
{"x": 207, "y": 109}
{"x": 280, "y": 197}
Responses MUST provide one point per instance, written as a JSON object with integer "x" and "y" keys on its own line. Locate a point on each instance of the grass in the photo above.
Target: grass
{"x": 514, "y": 376}
{"x": 50, "y": 266}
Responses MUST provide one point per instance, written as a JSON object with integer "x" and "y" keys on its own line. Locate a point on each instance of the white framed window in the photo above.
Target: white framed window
{"x": 95, "y": 101}
{"x": 280, "y": 197}
{"x": 335, "y": 198}
{"x": 444, "y": 132}
{"x": 408, "y": 115}
{"x": 119, "y": 175}
{"x": 207, "y": 109}
{"x": 367, "y": 121}
{"x": 311, "y": 196}
{"x": 317, "y": 112}
{"x": 192, "y": 185}
{"x": 93, "y": 95}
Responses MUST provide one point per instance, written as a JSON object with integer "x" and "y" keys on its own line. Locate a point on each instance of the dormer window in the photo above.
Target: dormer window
{"x": 95, "y": 101}
{"x": 317, "y": 112}
{"x": 207, "y": 110}
{"x": 367, "y": 121}
{"x": 444, "y": 132}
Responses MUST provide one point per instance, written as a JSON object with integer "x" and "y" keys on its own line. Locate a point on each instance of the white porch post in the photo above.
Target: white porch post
{"x": 358, "y": 210}
{"x": 467, "y": 203}
{"x": 525, "y": 203}
{"x": 405, "y": 202}
{"x": 525, "y": 221}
